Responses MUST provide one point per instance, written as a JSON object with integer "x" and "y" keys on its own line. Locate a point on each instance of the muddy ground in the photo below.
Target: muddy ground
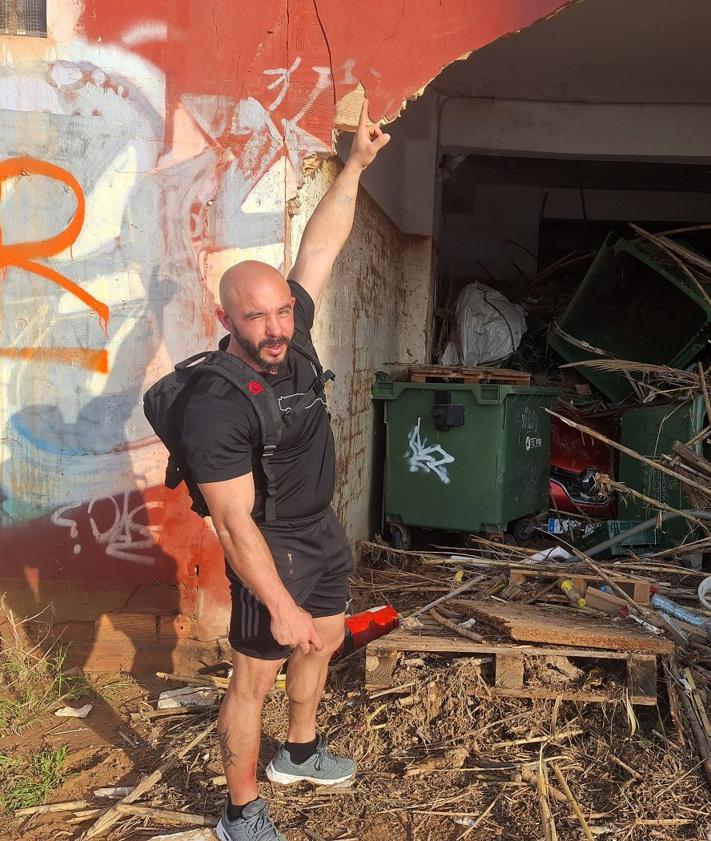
{"x": 439, "y": 758}
{"x": 432, "y": 759}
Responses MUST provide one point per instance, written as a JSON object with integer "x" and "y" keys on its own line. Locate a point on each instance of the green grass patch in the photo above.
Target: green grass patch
{"x": 31, "y": 685}
{"x": 29, "y": 783}
{"x": 32, "y": 678}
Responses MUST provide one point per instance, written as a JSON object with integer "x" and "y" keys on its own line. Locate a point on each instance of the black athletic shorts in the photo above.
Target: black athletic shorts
{"x": 313, "y": 561}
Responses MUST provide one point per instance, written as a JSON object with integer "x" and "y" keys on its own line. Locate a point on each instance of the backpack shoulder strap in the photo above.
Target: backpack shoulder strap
{"x": 257, "y": 391}
{"x": 301, "y": 342}
{"x": 191, "y": 361}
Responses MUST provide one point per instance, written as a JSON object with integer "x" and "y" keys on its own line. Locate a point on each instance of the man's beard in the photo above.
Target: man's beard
{"x": 254, "y": 351}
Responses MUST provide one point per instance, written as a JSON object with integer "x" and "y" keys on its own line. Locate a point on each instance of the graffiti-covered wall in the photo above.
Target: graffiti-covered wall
{"x": 145, "y": 146}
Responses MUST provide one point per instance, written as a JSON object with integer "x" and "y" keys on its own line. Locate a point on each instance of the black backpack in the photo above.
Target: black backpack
{"x": 165, "y": 401}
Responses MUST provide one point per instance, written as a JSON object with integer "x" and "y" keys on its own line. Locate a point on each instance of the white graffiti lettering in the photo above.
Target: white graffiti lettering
{"x": 222, "y": 188}
{"x": 124, "y": 537}
{"x": 120, "y": 537}
{"x": 283, "y": 78}
{"x": 427, "y": 459}
{"x": 65, "y": 522}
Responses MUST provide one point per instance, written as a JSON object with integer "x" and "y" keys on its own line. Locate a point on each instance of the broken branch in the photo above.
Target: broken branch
{"x": 574, "y": 805}
{"x": 447, "y": 623}
{"x": 66, "y": 806}
{"x": 164, "y": 815}
{"x": 109, "y": 818}
{"x": 549, "y": 830}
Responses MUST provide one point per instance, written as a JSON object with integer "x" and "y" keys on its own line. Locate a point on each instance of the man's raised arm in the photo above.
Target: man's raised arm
{"x": 330, "y": 224}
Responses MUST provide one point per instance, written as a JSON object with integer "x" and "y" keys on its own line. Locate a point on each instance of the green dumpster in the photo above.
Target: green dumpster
{"x": 465, "y": 458}
{"x": 651, "y": 431}
{"x": 634, "y": 304}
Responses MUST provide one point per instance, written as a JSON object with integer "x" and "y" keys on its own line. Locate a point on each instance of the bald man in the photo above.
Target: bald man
{"x": 288, "y": 577}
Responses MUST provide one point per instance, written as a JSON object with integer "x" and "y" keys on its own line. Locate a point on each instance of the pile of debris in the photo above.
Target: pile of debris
{"x": 633, "y": 416}
{"x": 580, "y": 631}
{"x": 551, "y": 682}
{"x": 518, "y": 699}
{"x": 635, "y": 330}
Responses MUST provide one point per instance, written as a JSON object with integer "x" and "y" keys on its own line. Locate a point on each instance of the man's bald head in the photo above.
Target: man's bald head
{"x": 248, "y": 284}
{"x": 257, "y": 307}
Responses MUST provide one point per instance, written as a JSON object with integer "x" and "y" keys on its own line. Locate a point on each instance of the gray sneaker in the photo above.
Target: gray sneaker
{"x": 254, "y": 825}
{"x": 322, "y": 769}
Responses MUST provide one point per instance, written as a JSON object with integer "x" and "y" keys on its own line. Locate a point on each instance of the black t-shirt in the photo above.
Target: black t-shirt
{"x": 221, "y": 437}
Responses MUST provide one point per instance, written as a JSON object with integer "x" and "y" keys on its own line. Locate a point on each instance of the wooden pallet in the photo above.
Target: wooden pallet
{"x": 638, "y": 590}
{"x": 509, "y": 661}
{"x": 548, "y": 625}
{"x": 469, "y": 376}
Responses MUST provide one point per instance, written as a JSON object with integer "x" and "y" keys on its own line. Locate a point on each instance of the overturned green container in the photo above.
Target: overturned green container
{"x": 651, "y": 431}
{"x": 635, "y": 304}
{"x": 466, "y": 458}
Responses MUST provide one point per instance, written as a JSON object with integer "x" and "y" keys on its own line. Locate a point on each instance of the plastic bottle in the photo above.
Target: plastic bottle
{"x": 575, "y": 597}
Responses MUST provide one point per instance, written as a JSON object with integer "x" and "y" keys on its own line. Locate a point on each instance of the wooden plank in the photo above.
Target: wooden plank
{"x": 605, "y": 602}
{"x": 638, "y": 590}
{"x": 641, "y": 592}
{"x": 509, "y": 662}
{"x": 435, "y": 643}
{"x": 698, "y": 703}
{"x": 469, "y": 376}
{"x": 500, "y": 374}
{"x": 642, "y": 678}
{"x": 379, "y": 667}
{"x": 535, "y": 624}
{"x": 509, "y": 671}
{"x": 549, "y": 694}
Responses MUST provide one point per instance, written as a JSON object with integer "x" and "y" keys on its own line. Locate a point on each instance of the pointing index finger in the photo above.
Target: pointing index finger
{"x": 363, "y": 121}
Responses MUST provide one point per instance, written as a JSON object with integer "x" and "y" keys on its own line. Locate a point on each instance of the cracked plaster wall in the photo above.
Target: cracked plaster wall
{"x": 144, "y": 146}
{"x": 374, "y": 316}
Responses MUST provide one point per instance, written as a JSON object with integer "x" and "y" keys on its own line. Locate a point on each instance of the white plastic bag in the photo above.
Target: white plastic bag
{"x": 489, "y": 328}
{"x": 187, "y": 696}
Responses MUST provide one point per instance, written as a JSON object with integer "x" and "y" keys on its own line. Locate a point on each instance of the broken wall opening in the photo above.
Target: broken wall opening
{"x": 506, "y": 219}
{"x": 545, "y": 148}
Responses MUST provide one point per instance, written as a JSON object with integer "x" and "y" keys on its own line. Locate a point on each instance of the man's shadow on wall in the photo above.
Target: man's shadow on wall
{"x": 97, "y": 570}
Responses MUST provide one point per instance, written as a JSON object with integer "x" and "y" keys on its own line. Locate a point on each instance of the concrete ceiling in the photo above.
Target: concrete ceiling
{"x": 459, "y": 192}
{"x": 597, "y": 51}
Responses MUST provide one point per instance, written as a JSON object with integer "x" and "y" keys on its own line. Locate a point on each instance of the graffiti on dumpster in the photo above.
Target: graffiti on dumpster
{"x": 530, "y": 462}
{"x": 427, "y": 458}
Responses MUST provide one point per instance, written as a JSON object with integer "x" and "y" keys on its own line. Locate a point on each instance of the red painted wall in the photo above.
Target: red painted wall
{"x": 253, "y": 82}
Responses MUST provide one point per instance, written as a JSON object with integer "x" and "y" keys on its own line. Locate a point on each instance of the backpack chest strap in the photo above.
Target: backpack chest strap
{"x": 259, "y": 393}
{"x": 271, "y": 420}
{"x": 309, "y": 397}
